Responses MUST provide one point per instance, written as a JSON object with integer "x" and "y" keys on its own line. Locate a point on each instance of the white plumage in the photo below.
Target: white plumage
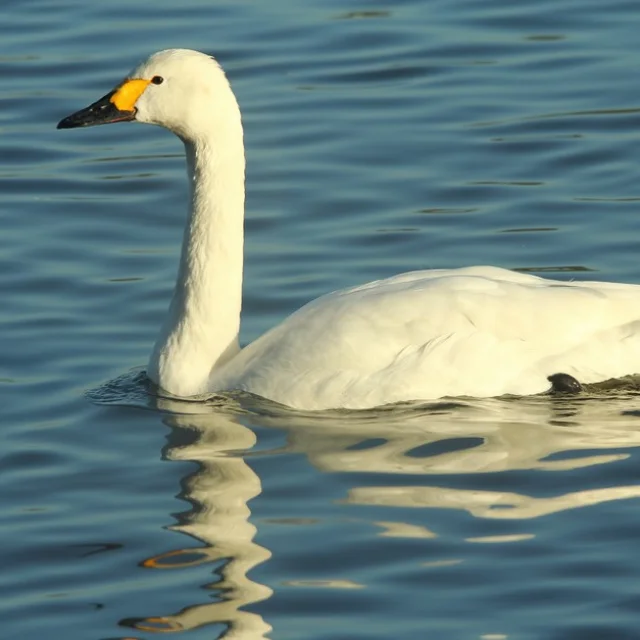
{"x": 478, "y": 331}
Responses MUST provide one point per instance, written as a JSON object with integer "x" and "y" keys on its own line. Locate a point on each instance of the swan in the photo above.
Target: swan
{"x": 474, "y": 331}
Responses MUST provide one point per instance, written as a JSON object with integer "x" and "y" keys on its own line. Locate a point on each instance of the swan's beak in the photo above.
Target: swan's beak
{"x": 116, "y": 106}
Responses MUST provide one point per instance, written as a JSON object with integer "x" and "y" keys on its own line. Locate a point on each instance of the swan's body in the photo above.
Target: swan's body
{"x": 479, "y": 331}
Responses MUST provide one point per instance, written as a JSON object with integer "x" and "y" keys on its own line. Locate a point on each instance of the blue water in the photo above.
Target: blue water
{"x": 381, "y": 137}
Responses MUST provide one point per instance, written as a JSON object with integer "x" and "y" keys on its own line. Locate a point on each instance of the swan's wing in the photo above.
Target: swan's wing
{"x": 480, "y": 331}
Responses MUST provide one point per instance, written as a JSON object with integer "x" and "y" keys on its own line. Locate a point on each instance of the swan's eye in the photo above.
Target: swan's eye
{"x": 157, "y": 79}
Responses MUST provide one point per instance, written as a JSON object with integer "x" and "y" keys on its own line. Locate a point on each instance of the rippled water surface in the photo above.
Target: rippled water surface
{"x": 381, "y": 137}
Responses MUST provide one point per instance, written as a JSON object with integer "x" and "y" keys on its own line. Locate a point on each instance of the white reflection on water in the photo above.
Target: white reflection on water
{"x": 506, "y": 435}
{"x": 530, "y": 434}
{"x": 220, "y": 488}
{"x": 537, "y": 434}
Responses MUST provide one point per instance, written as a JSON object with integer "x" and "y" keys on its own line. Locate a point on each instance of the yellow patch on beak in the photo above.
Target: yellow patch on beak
{"x": 128, "y": 93}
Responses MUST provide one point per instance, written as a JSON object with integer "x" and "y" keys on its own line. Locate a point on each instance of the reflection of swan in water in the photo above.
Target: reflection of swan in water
{"x": 476, "y": 438}
{"x": 220, "y": 489}
{"x": 495, "y": 435}
{"x": 479, "y": 437}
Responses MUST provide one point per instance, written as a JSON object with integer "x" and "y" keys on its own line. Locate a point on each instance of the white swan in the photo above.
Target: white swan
{"x": 479, "y": 331}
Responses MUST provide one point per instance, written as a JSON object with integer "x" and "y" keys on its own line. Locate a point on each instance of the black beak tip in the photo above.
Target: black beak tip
{"x": 102, "y": 111}
{"x": 66, "y": 123}
{"x": 87, "y": 118}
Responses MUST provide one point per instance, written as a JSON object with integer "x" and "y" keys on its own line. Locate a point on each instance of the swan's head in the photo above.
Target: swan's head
{"x": 182, "y": 90}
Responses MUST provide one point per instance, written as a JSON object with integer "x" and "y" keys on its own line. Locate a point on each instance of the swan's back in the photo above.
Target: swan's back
{"x": 479, "y": 331}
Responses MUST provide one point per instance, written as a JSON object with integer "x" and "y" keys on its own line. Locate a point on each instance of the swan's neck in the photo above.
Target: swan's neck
{"x": 201, "y": 330}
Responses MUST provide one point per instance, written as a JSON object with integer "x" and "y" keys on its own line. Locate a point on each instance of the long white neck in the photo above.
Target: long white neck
{"x": 201, "y": 330}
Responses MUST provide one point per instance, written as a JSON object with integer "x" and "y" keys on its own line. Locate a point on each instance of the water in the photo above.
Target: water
{"x": 380, "y": 137}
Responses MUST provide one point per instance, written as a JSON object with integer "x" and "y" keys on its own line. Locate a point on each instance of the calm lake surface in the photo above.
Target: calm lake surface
{"x": 381, "y": 137}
